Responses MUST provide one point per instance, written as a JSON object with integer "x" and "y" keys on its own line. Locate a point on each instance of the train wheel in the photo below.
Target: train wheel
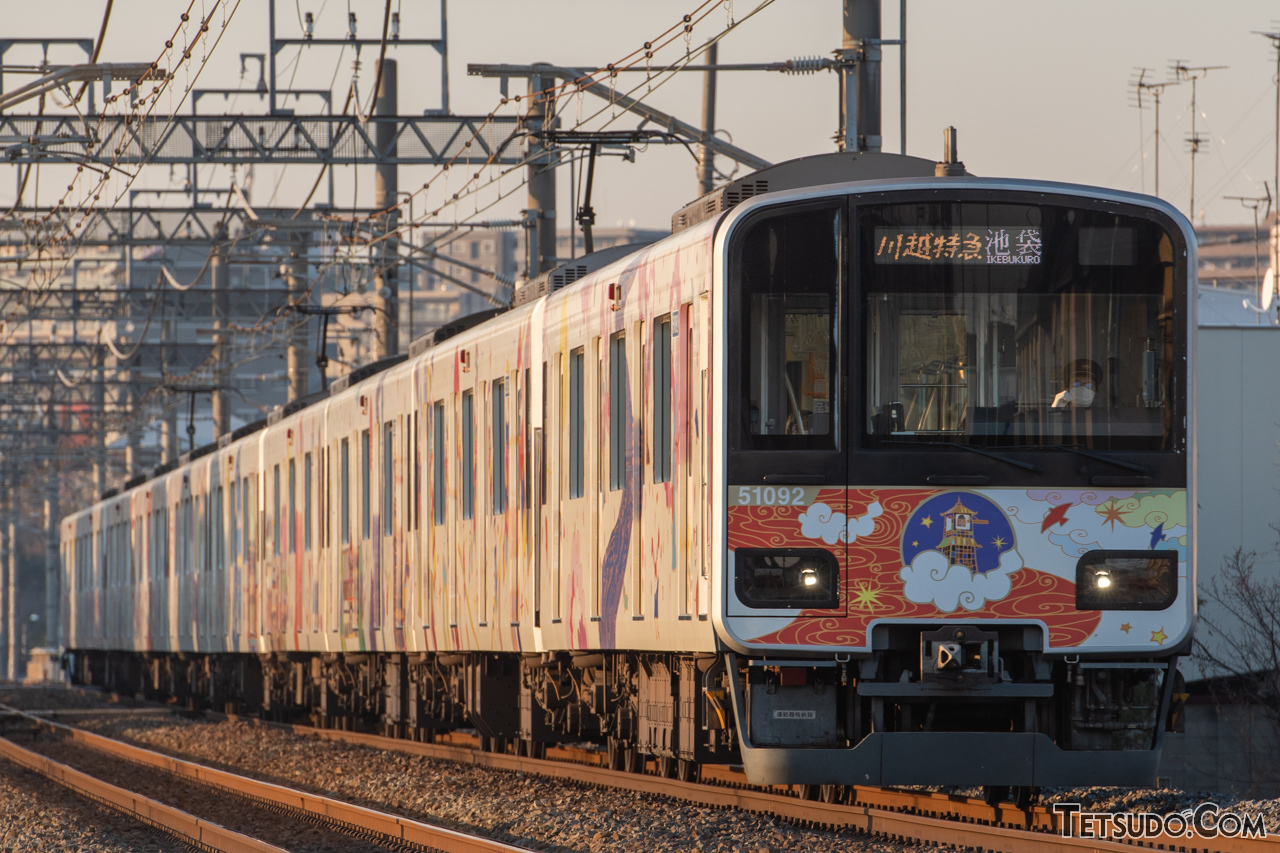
{"x": 536, "y": 749}
{"x": 807, "y": 792}
{"x": 688, "y": 771}
{"x": 666, "y": 766}
{"x": 994, "y": 795}
{"x": 633, "y": 761}
{"x": 1025, "y": 796}
{"x": 831, "y": 793}
{"x": 613, "y": 753}
{"x": 486, "y": 743}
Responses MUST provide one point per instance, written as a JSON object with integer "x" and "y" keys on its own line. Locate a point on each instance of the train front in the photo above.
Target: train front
{"x": 958, "y": 502}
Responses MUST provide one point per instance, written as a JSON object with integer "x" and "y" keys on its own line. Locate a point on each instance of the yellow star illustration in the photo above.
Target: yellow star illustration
{"x": 915, "y": 543}
{"x": 866, "y": 597}
{"x": 927, "y": 521}
{"x": 1159, "y": 636}
{"x": 998, "y": 542}
{"x": 1126, "y": 627}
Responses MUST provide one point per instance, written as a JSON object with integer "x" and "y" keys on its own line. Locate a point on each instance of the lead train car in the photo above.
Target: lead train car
{"x": 874, "y": 477}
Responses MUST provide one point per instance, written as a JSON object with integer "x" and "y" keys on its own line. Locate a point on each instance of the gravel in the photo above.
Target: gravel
{"x": 36, "y": 814}
{"x": 532, "y": 811}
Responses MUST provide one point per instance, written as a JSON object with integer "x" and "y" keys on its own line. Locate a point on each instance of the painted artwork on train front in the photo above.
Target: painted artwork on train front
{"x": 963, "y": 554}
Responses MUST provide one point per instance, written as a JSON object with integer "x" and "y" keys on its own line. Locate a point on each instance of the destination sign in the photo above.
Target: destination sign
{"x": 957, "y": 246}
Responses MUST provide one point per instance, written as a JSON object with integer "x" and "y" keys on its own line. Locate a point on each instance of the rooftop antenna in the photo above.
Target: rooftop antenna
{"x": 1255, "y": 202}
{"x": 1140, "y": 85}
{"x": 1274, "y": 242}
{"x": 1182, "y": 71}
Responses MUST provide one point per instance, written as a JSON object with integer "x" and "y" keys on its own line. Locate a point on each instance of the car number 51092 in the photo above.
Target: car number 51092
{"x": 770, "y": 496}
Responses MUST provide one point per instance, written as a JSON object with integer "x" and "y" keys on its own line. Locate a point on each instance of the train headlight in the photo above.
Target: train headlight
{"x": 786, "y": 578}
{"x": 1126, "y": 580}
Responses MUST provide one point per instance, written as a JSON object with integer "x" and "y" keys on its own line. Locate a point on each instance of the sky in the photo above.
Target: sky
{"x": 1035, "y": 89}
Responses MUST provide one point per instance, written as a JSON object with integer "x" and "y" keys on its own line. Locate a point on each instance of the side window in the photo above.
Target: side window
{"x": 577, "y": 423}
{"x": 388, "y": 477}
{"x": 344, "y": 490}
{"x": 661, "y": 430}
{"x": 468, "y": 455}
{"x": 437, "y": 455}
{"x": 276, "y": 530}
{"x": 617, "y": 412}
{"x": 499, "y": 444}
{"x": 306, "y": 511}
{"x": 787, "y": 286}
{"x": 291, "y": 511}
{"x": 366, "y": 462}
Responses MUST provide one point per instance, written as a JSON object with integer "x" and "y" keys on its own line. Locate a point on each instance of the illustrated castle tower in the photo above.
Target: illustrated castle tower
{"x": 957, "y": 538}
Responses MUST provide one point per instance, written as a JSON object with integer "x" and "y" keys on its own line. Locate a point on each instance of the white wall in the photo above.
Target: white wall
{"x": 1237, "y": 374}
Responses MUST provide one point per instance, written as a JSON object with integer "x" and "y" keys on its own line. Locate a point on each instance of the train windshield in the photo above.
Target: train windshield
{"x": 996, "y": 324}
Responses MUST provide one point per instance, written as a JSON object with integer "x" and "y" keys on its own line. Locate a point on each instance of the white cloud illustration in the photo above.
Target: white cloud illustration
{"x": 931, "y": 580}
{"x": 819, "y": 521}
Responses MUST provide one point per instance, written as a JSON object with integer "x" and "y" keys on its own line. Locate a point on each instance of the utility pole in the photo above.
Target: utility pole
{"x": 12, "y": 561}
{"x": 218, "y": 277}
{"x": 51, "y": 519}
{"x": 296, "y": 282}
{"x": 99, "y": 425}
{"x": 386, "y": 187}
{"x": 706, "y": 165}
{"x": 540, "y": 227}
{"x": 1194, "y": 74}
{"x": 5, "y": 544}
{"x": 860, "y": 77}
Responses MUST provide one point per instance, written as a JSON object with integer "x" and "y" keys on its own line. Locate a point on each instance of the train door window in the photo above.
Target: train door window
{"x": 468, "y": 455}
{"x": 542, "y": 471}
{"x": 291, "y": 511}
{"x": 220, "y": 531}
{"x": 306, "y": 511}
{"x": 525, "y": 392}
{"x": 787, "y": 274}
{"x": 235, "y": 519}
{"x": 661, "y": 430}
{"x": 498, "y": 439}
{"x": 416, "y": 496}
{"x": 246, "y": 515}
{"x": 388, "y": 478}
{"x": 276, "y": 530}
{"x": 577, "y": 424}
{"x": 344, "y": 491}
{"x": 617, "y": 412}
{"x": 439, "y": 461}
{"x": 365, "y": 473}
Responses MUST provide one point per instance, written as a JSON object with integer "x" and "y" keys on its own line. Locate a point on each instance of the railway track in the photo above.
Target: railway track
{"x": 905, "y": 816}
{"x": 215, "y": 810}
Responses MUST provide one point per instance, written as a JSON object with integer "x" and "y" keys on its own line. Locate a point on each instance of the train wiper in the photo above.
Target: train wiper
{"x": 1071, "y": 448}
{"x": 978, "y": 450}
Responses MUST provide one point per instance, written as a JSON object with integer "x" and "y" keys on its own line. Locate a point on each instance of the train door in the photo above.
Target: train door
{"x": 787, "y": 462}
{"x": 614, "y": 533}
{"x": 388, "y": 544}
{"x": 468, "y": 527}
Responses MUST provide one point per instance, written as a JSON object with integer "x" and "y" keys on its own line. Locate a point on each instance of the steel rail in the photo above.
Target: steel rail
{"x": 897, "y": 815}
{"x": 894, "y": 814}
{"x": 394, "y": 829}
{"x": 186, "y": 827}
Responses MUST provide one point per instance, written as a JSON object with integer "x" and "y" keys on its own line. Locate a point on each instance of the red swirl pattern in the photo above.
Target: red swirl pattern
{"x": 870, "y": 587}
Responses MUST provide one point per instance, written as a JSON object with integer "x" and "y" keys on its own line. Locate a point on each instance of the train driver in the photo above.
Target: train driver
{"x": 1083, "y": 387}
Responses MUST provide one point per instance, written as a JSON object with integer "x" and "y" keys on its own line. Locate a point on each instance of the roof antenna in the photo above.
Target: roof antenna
{"x": 950, "y": 166}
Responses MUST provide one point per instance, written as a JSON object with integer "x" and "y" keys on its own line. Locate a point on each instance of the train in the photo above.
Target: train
{"x": 873, "y": 472}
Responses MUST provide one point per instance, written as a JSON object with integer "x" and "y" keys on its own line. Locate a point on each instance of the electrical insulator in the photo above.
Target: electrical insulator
{"x": 395, "y": 26}
{"x": 807, "y": 64}
{"x": 310, "y": 26}
{"x": 351, "y": 25}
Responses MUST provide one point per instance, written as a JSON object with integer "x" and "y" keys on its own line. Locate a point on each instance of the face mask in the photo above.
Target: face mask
{"x": 1082, "y": 395}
